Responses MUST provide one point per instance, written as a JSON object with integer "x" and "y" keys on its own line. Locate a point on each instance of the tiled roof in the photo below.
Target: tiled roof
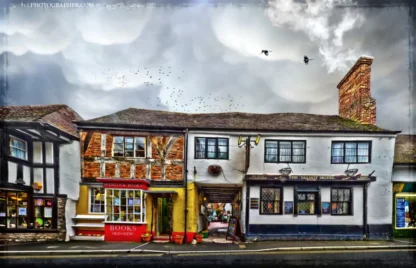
{"x": 405, "y": 149}
{"x": 59, "y": 116}
{"x": 235, "y": 121}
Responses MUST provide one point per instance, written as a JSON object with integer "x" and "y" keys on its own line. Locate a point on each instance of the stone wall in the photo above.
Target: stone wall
{"x": 355, "y": 100}
{"x": 40, "y": 235}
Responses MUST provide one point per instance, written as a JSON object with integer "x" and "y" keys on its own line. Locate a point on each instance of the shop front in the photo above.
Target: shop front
{"x": 306, "y": 207}
{"x": 125, "y": 209}
{"x": 404, "y": 211}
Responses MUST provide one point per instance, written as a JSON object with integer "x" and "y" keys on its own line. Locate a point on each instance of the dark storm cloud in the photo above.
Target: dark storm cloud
{"x": 88, "y": 59}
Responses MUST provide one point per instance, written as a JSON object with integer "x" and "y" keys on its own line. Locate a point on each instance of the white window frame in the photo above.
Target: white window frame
{"x": 12, "y": 147}
{"x": 134, "y": 146}
{"x": 89, "y": 199}
{"x": 142, "y": 207}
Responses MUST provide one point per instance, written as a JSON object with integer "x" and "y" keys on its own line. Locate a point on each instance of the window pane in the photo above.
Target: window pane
{"x": 347, "y": 194}
{"x": 301, "y": 196}
{"x": 350, "y": 152}
{"x": 340, "y": 195}
{"x": 222, "y": 142}
{"x": 298, "y": 151}
{"x": 271, "y": 151}
{"x": 118, "y": 153}
{"x": 140, "y": 147}
{"x": 363, "y": 152}
{"x": 285, "y": 151}
{"x": 306, "y": 207}
{"x": 118, "y": 147}
{"x": 200, "y": 148}
{"x": 334, "y": 194}
{"x": 337, "y": 152}
{"x": 128, "y": 154}
{"x": 211, "y": 148}
{"x": 118, "y": 139}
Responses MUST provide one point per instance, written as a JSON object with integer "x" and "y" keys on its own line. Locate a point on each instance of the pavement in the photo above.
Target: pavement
{"x": 99, "y": 247}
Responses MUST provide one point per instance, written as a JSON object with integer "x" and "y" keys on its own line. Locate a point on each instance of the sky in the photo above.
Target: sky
{"x": 203, "y": 57}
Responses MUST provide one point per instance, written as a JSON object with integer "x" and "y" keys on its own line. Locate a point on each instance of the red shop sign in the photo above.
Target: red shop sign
{"x": 124, "y": 232}
{"x": 124, "y": 185}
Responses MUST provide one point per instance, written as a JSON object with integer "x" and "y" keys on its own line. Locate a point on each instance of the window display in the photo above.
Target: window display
{"x": 43, "y": 213}
{"x": 125, "y": 206}
{"x": 405, "y": 205}
{"x": 13, "y": 209}
{"x": 97, "y": 200}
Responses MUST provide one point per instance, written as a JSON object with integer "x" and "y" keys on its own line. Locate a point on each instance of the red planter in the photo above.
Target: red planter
{"x": 178, "y": 239}
{"x": 146, "y": 238}
{"x": 199, "y": 238}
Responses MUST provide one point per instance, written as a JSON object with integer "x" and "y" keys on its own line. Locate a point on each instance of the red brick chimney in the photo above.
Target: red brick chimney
{"x": 355, "y": 100}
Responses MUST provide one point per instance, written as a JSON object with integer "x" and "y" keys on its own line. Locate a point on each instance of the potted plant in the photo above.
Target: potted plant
{"x": 178, "y": 239}
{"x": 146, "y": 237}
{"x": 199, "y": 238}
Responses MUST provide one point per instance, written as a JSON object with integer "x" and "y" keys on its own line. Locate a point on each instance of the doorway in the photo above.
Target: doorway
{"x": 162, "y": 223}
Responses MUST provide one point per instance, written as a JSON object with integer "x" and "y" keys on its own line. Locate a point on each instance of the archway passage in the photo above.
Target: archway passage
{"x": 220, "y": 203}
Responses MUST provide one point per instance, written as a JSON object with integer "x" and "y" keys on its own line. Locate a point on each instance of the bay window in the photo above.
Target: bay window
{"x": 127, "y": 206}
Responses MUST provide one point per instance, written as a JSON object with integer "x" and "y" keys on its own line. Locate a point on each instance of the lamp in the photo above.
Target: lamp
{"x": 257, "y": 139}
{"x": 285, "y": 171}
{"x": 240, "y": 140}
{"x": 351, "y": 172}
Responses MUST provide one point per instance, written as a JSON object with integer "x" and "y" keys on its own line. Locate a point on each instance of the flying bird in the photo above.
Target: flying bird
{"x": 306, "y": 59}
{"x": 266, "y": 52}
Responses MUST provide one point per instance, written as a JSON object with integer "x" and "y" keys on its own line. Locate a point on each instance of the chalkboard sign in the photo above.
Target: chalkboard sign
{"x": 400, "y": 213}
{"x": 288, "y": 207}
{"x": 233, "y": 228}
{"x": 325, "y": 208}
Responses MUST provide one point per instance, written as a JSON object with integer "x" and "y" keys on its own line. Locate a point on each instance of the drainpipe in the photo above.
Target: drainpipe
{"x": 365, "y": 227}
{"x": 186, "y": 178}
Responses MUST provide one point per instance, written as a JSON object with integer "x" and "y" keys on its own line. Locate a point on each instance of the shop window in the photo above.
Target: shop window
{"x": 341, "y": 201}
{"x": 97, "y": 200}
{"x": 18, "y": 148}
{"x": 270, "y": 201}
{"x": 285, "y": 151}
{"x": 351, "y": 152}
{"x": 405, "y": 211}
{"x": 43, "y": 213}
{"x": 129, "y": 146}
{"x": 307, "y": 201}
{"x": 211, "y": 148}
{"x": 13, "y": 210}
{"x": 125, "y": 206}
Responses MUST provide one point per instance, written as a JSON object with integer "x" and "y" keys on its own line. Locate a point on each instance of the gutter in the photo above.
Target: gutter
{"x": 186, "y": 179}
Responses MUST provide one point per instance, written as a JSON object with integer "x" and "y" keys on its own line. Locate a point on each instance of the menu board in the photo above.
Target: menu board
{"x": 288, "y": 207}
{"x": 325, "y": 208}
{"x": 233, "y": 227}
{"x": 400, "y": 213}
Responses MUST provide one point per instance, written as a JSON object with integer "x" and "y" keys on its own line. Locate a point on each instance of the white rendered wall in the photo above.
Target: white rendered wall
{"x": 230, "y": 167}
{"x": 12, "y": 168}
{"x": 70, "y": 209}
{"x": 70, "y": 170}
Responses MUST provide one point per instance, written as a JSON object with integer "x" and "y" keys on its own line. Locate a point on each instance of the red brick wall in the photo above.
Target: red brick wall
{"x": 355, "y": 100}
{"x": 91, "y": 170}
{"x": 125, "y": 170}
{"x": 108, "y": 145}
{"x": 140, "y": 172}
{"x": 176, "y": 152}
{"x": 110, "y": 170}
{"x": 94, "y": 146}
{"x": 174, "y": 172}
{"x": 155, "y": 173}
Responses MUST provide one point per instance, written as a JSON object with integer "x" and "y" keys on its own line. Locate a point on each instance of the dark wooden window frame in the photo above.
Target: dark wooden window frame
{"x": 216, "y": 148}
{"x": 278, "y": 151}
{"x": 351, "y": 202}
{"x": 134, "y": 146}
{"x": 343, "y": 156}
{"x": 306, "y": 190}
{"x": 280, "y": 201}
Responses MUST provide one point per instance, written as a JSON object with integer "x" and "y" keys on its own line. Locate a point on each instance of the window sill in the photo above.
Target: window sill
{"x": 14, "y": 230}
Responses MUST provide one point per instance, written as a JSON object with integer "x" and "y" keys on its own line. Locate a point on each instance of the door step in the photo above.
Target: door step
{"x": 161, "y": 238}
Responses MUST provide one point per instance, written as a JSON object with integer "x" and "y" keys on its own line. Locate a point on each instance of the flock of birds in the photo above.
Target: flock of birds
{"x": 215, "y": 101}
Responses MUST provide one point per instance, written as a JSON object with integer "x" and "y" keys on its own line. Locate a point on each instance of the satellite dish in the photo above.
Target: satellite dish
{"x": 240, "y": 140}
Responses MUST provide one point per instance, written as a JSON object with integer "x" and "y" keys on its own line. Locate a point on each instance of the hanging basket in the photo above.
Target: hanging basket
{"x": 214, "y": 170}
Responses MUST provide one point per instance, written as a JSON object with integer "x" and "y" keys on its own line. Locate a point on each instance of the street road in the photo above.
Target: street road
{"x": 403, "y": 258}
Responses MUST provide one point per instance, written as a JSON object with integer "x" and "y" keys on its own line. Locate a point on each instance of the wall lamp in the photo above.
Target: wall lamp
{"x": 285, "y": 171}
{"x": 248, "y": 141}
